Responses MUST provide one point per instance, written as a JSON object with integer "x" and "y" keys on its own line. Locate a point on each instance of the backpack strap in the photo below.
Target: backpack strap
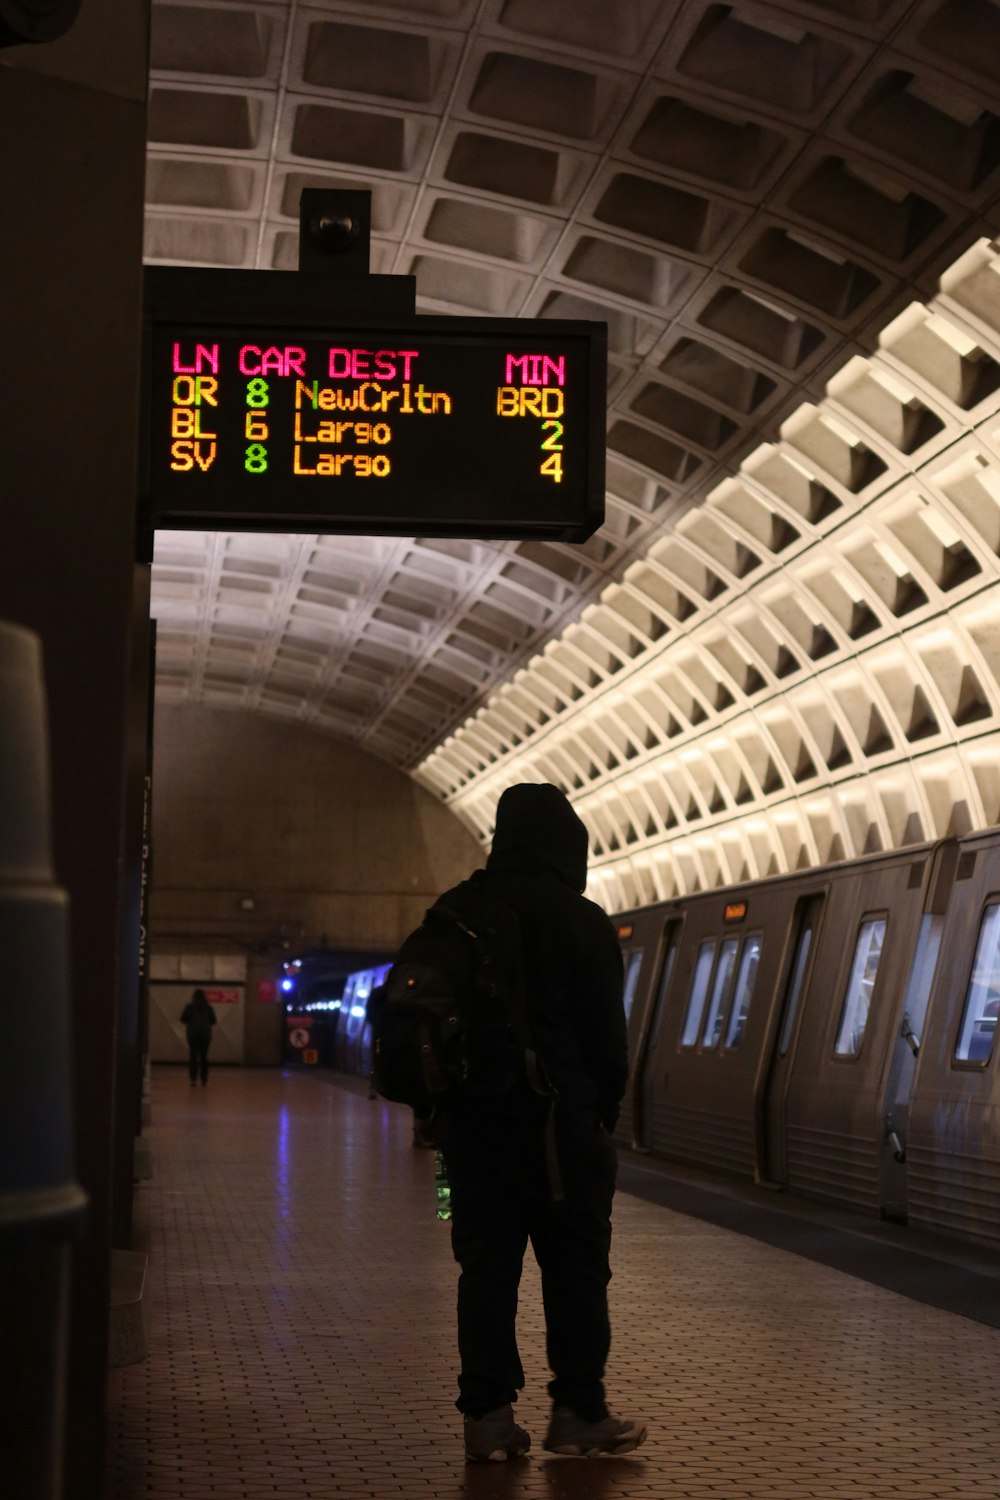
{"x": 440, "y": 910}
{"x": 517, "y": 1010}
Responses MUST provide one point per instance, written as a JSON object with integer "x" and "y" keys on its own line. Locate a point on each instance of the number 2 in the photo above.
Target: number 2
{"x": 552, "y": 442}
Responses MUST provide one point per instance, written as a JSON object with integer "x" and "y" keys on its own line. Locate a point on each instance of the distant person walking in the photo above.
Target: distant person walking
{"x": 198, "y": 1018}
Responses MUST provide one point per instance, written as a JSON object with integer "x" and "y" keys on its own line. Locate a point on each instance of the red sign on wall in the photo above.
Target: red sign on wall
{"x": 222, "y": 997}
{"x": 267, "y": 990}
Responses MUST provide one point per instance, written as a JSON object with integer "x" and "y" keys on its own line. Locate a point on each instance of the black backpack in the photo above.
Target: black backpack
{"x": 450, "y": 1022}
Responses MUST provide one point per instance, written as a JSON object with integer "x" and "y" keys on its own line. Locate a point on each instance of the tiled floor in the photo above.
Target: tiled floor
{"x": 302, "y": 1342}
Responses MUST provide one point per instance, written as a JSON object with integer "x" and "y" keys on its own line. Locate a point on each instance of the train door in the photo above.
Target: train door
{"x": 343, "y": 1021}
{"x": 906, "y": 1049}
{"x": 808, "y": 912}
{"x": 354, "y": 1021}
{"x": 902, "y": 1067}
{"x": 953, "y": 1143}
{"x": 633, "y": 968}
{"x": 642, "y": 1069}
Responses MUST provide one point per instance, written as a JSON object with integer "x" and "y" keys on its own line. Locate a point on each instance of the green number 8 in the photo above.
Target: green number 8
{"x": 257, "y": 392}
{"x": 256, "y": 459}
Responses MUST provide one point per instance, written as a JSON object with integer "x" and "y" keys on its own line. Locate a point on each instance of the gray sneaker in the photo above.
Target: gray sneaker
{"x": 495, "y": 1437}
{"x": 572, "y": 1435}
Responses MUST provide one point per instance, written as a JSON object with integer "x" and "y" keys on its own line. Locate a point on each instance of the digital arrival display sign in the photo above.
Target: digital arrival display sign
{"x": 471, "y": 427}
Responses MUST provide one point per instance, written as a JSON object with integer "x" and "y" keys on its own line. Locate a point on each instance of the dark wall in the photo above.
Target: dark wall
{"x": 330, "y": 843}
{"x": 72, "y": 123}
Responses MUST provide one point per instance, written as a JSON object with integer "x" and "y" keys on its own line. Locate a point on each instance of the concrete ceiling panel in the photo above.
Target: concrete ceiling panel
{"x": 759, "y": 199}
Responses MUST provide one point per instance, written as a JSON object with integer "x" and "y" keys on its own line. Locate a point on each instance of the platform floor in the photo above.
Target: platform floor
{"x": 301, "y": 1329}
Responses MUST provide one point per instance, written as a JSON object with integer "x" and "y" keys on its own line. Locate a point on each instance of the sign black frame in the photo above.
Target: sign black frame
{"x": 244, "y": 303}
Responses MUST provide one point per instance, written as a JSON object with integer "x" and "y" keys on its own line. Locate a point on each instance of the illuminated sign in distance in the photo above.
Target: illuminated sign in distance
{"x": 735, "y": 911}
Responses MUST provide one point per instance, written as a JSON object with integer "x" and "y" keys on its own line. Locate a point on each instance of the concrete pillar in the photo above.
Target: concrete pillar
{"x": 72, "y": 120}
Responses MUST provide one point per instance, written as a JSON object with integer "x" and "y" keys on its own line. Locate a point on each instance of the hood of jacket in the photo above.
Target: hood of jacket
{"x": 538, "y": 831}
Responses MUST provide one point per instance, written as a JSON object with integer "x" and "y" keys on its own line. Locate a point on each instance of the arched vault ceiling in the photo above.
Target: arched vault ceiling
{"x": 806, "y": 667}
{"x": 746, "y": 193}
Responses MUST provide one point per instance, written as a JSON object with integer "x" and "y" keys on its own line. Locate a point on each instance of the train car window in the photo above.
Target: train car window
{"x": 857, "y": 1000}
{"x": 743, "y": 993}
{"x": 724, "y": 970}
{"x": 699, "y": 989}
{"x": 671, "y": 937}
{"x": 631, "y": 980}
{"x": 982, "y": 998}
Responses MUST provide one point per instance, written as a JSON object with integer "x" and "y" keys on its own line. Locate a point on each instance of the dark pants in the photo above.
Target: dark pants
{"x": 501, "y": 1199}
{"x": 198, "y": 1059}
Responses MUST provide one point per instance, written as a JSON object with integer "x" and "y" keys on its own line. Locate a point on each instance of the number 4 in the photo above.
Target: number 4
{"x": 552, "y": 466}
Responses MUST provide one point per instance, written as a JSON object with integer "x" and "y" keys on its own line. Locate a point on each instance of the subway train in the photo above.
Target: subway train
{"x": 828, "y": 1032}
{"x": 325, "y": 1008}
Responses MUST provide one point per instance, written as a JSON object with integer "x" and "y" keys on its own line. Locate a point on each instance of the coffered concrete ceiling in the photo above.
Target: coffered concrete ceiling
{"x": 747, "y": 193}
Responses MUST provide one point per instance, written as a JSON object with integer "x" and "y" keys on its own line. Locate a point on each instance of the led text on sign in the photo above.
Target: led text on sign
{"x": 277, "y": 404}
{"x": 378, "y": 381}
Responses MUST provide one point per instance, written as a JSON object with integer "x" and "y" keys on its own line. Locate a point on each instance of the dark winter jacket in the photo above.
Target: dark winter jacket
{"x": 572, "y": 962}
{"x": 198, "y": 1018}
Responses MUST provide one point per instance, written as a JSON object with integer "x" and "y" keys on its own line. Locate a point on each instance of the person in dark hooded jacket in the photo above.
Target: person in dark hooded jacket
{"x": 198, "y": 1018}
{"x": 498, "y": 1167}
